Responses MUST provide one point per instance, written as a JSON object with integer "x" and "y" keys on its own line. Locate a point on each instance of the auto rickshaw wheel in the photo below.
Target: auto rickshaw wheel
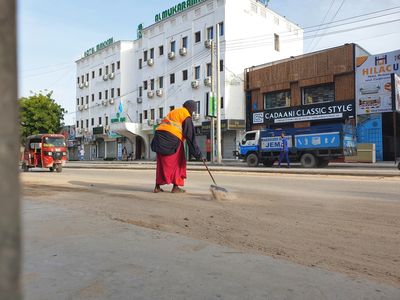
{"x": 24, "y": 167}
{"x": 58, "y": 168}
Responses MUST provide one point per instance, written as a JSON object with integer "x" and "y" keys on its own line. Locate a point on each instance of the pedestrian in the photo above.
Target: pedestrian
{"x": 81, "y": 154}
{"x": 168, "y": 140}
{"x": 124, "y": 154}
{"x": 284, "y": 150}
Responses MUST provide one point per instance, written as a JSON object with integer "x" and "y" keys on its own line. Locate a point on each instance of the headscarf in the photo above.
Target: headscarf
{"x": 191, "y": 106}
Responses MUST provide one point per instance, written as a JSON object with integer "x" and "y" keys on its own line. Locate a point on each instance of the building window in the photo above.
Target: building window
{"x": 112, "y": 67}
{"x": 118, "y": 92}
{"x": 100, "y": 71}
{"x": 172, "y": 46}
{"x": 81, "y": 123}
{"x": 277, "y": 99}
{"x": 145, "y": 55}
{"x": 87, "y": 123}
{"x": 78, "y": 79}
{"x": 92, "y": 97}
{"x": 87, "y": 77}
{"x": 171, "y": 108}
{"x": 92, "y": 121}
{"x": 221, "y": 65}
{"x": 160, "y": 82}
{"x": 87, "y": 99}
{"x": 152, "y": 84}
{"x": 140, "y": 118}
{"x": 184, "y": 75}
{"x": 210, "y": 33}
{"x": 198, "y": 107}
{"x": 93, "y": 74}
{"x": 99, "y": 95}
{"x": 83, "y": 78}
{"x": 161, "y": 50}
{"x": 222, "y": 102}
{"x": 161, "y": 112}
{"x": 276, "y": 42}
{"x": 99, "y": 120}
{"x": 209, "y": 69}
{"x": 145, "y": 85}
{"x": 221, "y": 28}
{"x": 197, "y": 37}
{"x": 77, "y": 124}
{"x": 140, "y": 91}
{"x": 152, "y": 53}
{"x": 319, "y": 94}
{"x": 145, "y": 114}
{"x": 172, "y": 78}
{"x": 106, "y": 70}
{"x": 106, "y": 94}
{"x": 77, "y": 101}
{"x": 118, "y": 65}
{"x": 81, "y": 100}
{"x": 152, "y": 114}
{"x": 112, "y": 93}
{"x": 197, "y": 72}
{"x": 140, "y": 63}
{"x": 106, "y": 120}
{"x": 184, "y": 42}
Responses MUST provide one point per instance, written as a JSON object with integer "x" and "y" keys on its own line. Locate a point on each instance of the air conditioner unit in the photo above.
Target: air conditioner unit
{"x": 104, "y": 102}
{"x": 195, "y": 84}
{"x": 171, "y": 55}
{"x": 158, "y": 121}
{"x": 81, "y": 85}
{"x": 183, "y": 51}
{"x": 86, "y": 83}
{"x": 207, "y": 81}
{"x": 86, "y": 130}
{"x": 80, "y": 107}
{"x": 150, "y": 62}
{"x": 111, "y": 101}
{"x": 150, "y": 122}
{"x": 105, "y": 77}
{"x": 139, "y": 99}
{"x": 86, "y": 106}
{"x": 111, "y": 75}
{"x": 159, "y": 92}
{"x": 207, "y": 43}
{"x": 150, "y": 94}
{"x": 79, "y": 130}
{"x": 107, "y": 127}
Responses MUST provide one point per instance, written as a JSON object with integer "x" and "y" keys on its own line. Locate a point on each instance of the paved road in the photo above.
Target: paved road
{"x": 82, "y": 242}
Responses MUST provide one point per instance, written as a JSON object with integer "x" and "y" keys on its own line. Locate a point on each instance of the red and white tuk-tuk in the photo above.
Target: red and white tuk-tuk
{"x": 45, "y": 151}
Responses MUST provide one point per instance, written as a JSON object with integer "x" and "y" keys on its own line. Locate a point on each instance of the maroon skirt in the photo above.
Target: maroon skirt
{"x": 171, "y": 168}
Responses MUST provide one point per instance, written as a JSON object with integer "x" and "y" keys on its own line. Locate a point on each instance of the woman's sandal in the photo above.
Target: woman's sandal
{"x": 158, "y": 190}
{"x": 177, "y": 190}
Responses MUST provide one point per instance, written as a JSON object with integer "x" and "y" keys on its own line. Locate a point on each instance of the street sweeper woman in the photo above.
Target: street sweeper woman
{"x": 168, "y": 140}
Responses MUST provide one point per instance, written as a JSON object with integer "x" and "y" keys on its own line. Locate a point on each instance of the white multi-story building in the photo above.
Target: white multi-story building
{"x": 170, "y": 62}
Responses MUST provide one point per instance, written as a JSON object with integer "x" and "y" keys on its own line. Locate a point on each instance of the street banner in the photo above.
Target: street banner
{"x": 373, "y": 82}
{"x": 396, "y": 91}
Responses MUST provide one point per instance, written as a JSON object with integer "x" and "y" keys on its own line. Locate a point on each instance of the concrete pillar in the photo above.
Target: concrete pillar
{"x": 9, "y": 156}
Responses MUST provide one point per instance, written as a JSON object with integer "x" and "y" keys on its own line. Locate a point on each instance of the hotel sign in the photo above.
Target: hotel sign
{"x": 176, "y": 9}
{"x": 99, "y": 47}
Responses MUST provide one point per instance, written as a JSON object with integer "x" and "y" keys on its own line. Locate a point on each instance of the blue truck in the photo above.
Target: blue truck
{"x": 313, "y": 146}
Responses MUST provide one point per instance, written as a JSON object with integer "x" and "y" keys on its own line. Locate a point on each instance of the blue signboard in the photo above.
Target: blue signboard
{"x": 318, "y": 140}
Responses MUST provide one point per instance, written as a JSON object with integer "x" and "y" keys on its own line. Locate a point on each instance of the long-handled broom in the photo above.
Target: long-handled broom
{"x": 219, "y": 193}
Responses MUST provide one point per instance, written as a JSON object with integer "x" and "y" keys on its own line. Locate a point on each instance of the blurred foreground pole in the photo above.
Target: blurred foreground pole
{"x": 10, "y": 248}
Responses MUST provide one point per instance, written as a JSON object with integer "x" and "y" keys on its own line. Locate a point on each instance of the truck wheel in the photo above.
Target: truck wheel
{"x": 322, "y": 163}
{"x": 252, "y": 160}
{"x": 308, "y": 160}
{"x": 58, "y": 168}
{"x": 268, "y": 162}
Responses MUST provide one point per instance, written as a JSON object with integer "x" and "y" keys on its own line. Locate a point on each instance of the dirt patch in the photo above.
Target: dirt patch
{"x": 354, "y": 236}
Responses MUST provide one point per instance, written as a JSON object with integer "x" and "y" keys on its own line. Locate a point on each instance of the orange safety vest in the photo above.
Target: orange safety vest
{"x": 173, "y": 122}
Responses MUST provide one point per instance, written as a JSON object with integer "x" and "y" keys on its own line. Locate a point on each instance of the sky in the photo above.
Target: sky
{"x": 52, "y": 35}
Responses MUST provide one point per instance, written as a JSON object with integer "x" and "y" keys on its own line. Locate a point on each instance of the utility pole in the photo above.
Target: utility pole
{"x": 219, "y": 148}
{"x": 211, "y": 106}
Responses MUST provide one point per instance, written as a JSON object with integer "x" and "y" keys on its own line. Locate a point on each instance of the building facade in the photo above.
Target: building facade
{"x": 170, "y": 62}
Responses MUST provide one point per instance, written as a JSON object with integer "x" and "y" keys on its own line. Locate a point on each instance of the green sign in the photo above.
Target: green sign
{"x": 212, "y": 106}
{"x": 176, "y": 9}
{"x": 139, "y": 33}
{"x": 118, "y": 119}
{"x": 98, "y": 47}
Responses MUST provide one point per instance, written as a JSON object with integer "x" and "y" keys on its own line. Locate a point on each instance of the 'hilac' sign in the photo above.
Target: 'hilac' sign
{"x": 176, "y": 9}
{"x": 99, "y": 46}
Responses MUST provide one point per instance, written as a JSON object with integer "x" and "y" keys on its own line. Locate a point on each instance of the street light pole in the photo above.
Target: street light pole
{"x": 211, "y": 103}
{"x": 219, "y": 154}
